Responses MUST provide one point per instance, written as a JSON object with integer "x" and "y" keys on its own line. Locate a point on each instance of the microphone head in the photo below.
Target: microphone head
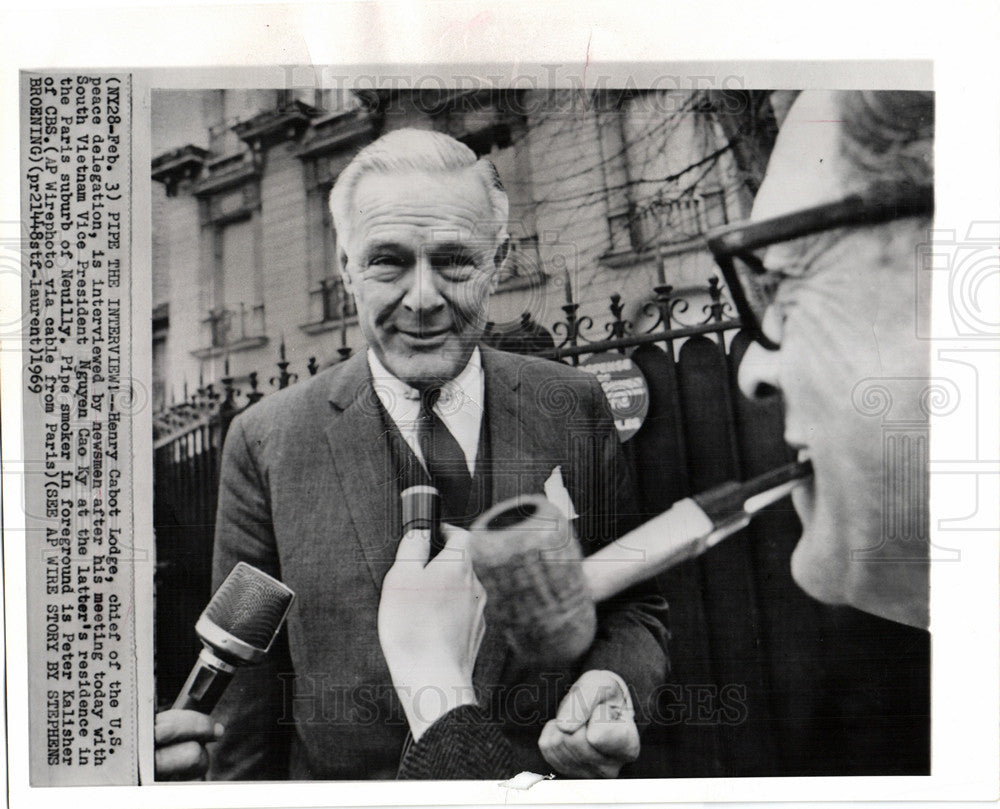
{"x": 245, "y": 614}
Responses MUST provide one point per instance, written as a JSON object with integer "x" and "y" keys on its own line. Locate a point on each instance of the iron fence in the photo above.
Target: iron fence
{"x": 764, "y": 679}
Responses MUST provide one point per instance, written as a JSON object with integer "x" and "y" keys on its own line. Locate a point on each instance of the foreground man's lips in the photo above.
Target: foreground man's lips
{"x": 804, "y": 496}
{"x": 801, "y": 451}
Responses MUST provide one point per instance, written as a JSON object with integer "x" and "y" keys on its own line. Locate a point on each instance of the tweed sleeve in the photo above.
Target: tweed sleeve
{"x": 462, "y": 745}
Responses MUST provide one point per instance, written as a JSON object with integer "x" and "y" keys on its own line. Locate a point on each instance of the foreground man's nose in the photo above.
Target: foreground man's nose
{"x": 758, "y": 372}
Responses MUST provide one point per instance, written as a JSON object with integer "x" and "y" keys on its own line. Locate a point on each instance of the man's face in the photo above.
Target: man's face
{"x": 421, "y": 262}
{"x": 851, "y": 372}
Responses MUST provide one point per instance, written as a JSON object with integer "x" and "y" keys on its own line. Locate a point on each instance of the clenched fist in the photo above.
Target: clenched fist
{"x": 593, "y": 734}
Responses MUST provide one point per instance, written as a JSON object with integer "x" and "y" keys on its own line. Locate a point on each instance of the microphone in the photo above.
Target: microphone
{"x": 236, "y": 629}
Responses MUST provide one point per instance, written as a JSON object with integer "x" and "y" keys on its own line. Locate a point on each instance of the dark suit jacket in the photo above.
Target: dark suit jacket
{"x": 308, "y": 493}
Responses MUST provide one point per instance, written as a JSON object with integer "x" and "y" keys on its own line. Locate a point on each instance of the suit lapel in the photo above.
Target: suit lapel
{"x": 363, "y": 464}
{"x": 517, "y": 443}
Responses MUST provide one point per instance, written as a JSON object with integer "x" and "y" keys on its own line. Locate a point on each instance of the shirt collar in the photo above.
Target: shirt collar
{"x": 460, "y": 405}
{"x": 467, "y": 385}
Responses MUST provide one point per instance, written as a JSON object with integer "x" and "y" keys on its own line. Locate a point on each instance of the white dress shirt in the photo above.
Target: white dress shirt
{"x": 460, "y": 405}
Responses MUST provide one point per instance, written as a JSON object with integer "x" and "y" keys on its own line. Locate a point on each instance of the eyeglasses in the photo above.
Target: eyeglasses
{"x": 736, "y": 248}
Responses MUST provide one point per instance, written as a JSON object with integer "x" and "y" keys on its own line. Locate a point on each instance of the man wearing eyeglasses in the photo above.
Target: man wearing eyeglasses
{"x": 825, "y": 277}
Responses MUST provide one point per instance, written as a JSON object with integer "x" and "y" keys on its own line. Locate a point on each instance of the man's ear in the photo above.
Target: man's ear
{"x": 499, "y": 259}
{"x": 503, "y": 250}
{"x": 345, "y": 274}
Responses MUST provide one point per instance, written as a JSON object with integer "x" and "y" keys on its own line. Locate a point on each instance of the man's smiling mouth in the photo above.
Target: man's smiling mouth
{"x": 423, "y": 334}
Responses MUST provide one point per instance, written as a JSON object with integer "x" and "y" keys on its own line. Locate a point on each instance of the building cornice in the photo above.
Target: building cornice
{"x": 173, "y": 167}
{"x": 273, "y": 126}
{"x": 333, "y": 133}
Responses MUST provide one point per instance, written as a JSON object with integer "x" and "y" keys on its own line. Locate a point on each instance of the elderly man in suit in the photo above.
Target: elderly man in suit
{"x": 310, "y": 493}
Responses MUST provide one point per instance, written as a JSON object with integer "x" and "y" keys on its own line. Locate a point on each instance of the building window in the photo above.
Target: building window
{"x": 235, "y": 262}
{"x": 327, "y": 301}
{"x": 483, "y": 124}
{"x": 679, "y": 219}
{"x": 233, "y": 290}
{"x": 161, "y": 330}
{"x": 523, "y": 266}
{"x": 668, "y": 152}
{"x": 330, "y": 299}
{"x": 333, "y": 139}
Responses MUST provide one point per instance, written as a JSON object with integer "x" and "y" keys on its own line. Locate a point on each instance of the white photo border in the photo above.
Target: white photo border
{"x": 864, "y": 44}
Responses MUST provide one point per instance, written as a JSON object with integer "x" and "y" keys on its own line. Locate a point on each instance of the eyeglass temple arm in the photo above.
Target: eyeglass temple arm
{"x": 854, "y": 210}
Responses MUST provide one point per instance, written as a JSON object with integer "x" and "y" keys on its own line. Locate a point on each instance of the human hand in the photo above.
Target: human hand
{"x": 430, "y": 626}
{"x": 179, "y": 739}
{"x": 593, "y": 733}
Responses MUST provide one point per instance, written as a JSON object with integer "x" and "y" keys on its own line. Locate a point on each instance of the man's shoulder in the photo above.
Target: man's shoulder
{"x": 532, "y": 367}
{"x": 531, "y": 370}
{"x": 301, "y": 402}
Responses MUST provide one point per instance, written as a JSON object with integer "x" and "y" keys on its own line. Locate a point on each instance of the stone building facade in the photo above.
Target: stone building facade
{"x": 610, "y": 191}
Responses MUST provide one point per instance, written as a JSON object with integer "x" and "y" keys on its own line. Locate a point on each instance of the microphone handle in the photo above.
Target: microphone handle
{"x": 205, "y": 684}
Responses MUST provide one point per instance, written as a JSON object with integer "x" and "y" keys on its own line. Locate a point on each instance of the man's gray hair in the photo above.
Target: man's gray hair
{"x": 411, "y": 150}
{"x": 886, "y": 145}
{"x": 887, "y": 137}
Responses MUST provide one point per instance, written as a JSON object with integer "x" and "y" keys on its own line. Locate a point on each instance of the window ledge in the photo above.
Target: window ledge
{"x": 522, "y": 282}
{"x": 321, "y": 326}
{"x": 628, "y": 258}
{"x": 245, "y": 344}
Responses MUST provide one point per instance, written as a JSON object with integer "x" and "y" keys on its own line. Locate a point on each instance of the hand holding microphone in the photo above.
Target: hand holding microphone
{"x": 179, "y": 739}
{"x": 236, "y": 629}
